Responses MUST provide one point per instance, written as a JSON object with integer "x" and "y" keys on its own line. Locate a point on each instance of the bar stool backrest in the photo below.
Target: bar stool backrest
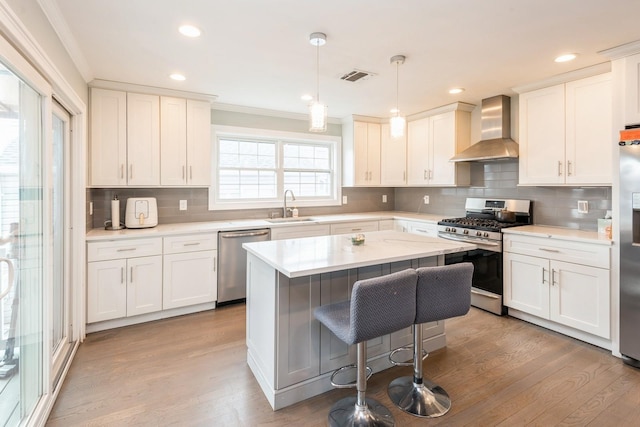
{"x": 443, "y": 292}
{"x": 382, "y": 305}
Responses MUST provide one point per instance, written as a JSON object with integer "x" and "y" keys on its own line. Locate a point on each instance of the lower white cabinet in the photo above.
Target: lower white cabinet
{"x": 189, "y": 272}
{"x": 121, "y": 284}
{"x": 564, "y": 282}
{"x": 354, "y": 227}
{"x": 417, "y": 227}
{"x": 296, "y": 231}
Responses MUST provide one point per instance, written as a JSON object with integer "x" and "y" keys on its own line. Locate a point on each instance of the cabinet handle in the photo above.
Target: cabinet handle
{"x": 356, "y": 229}
{"x": 214, "y": 264}
{"x": 126, "y": 249}
{"x": 559, "y": 168}
{"x": 549, "y": 250}
{"x": 190, "y": 172}
{"x": 569, "y": 167}
{"x": 553, "y": 277}
{"x": 424, "y": 175}
{"x": 131, "y": 275}
{"x": 183, "y": 173}
{"x": 191, "y": 244}
{"x": 121, "y": 170}
{"x": 543, "y": 270}
{"x": 121, "y": 275}
{"x": 430, "y": 174}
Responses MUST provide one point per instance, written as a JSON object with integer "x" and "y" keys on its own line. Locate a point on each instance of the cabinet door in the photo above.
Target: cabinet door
{"x": 189, "y": 278}
{"x": 108, "y": 133}
{"x": 526, "y": 284}
{"x": 360, "y": 160}
{"x": 580, "y": 297}
{"x": 354, "y": 227}
{"x": 542, "y": 136}
{"x": 442, "y": 147}
{"x": 393, "y": 159}
{"x": 588, "y": 130}
{"x": 106, "y": 290}
{"x": 144, "y": 285}
{"x": 143, "y": 139}
{"x": 423, "y": 228}
{"x": 632, "y": 90}
{"x": 373, "y": 153}
{"x": 173, "y": 141}
{"x": 198, "y": 142}
{"x": 418, "y": 160}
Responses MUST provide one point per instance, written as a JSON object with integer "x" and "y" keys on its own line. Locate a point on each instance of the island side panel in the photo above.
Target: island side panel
{"x": 261, "y": 323}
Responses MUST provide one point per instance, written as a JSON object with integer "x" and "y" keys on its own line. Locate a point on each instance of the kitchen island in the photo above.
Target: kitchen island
{"x": 291, "y": 355}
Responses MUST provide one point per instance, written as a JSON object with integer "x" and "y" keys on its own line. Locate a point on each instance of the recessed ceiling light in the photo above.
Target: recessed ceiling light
{"x": 566, "y": 57}
{"x": 178, "y": 77}
{"x": 306, "y": 97}
{"x": 189, "y": 30}
{"x": 456, "y": 90}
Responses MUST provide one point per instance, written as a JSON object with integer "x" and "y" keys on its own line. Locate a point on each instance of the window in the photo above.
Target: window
{"x": 252, "y": 168}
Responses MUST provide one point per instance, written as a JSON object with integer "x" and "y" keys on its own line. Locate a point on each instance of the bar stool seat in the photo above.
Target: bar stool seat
{"x": 442, "y": 292}
{"x": 378, "y": 306}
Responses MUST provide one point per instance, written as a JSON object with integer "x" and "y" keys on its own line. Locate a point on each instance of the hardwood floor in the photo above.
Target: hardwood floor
{"x": 192, "y": 371}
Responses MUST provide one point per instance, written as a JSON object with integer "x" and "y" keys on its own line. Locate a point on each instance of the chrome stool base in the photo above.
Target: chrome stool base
{"x": 422, "y": 400}
{"x": 346, "y": 412}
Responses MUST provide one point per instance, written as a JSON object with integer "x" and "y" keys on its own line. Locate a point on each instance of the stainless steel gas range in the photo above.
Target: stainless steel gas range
{"x": 481, "y": 228}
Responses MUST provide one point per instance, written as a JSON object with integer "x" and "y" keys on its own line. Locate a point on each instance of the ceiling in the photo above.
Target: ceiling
{"x": 256, "y": 53}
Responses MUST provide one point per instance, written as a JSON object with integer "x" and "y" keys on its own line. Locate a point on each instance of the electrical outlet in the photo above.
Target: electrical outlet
{"x": 344, "y": 200}
{"x": 90, "y": 208}
{"x": 583, "y": 206}
{"x": 183, "y": 205}
{"x": 425, "y": 199}
{"x": 384, "y": 198}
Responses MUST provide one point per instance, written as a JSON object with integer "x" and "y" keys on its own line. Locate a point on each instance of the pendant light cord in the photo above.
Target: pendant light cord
{"x": 318, "y": 72}
{"x": 397, "y": 86}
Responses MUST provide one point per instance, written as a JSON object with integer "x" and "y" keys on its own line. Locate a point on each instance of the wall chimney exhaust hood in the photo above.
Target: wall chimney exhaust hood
{"x": 496, "y": 142}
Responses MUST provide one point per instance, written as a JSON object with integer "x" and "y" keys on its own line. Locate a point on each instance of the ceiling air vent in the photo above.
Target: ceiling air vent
{"x": 355, "y": 75}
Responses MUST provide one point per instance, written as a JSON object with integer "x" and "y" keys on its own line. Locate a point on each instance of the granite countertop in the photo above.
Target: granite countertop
{"x": 560, "y": 233}
{"x": 323, "y": 254}
{"x": 97, "y": 234}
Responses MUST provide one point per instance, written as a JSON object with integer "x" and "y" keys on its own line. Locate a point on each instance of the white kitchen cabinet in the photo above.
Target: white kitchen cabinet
{"x": 124, "y": 279}
{"x": 296, "y": 231}
{"x": 189, "y": 270}
{"x": 393, "y": 158}
{"x": 143, "y": 139}
{"x": 361, "y": 153}
{"x": 108, "y": 133}
{"x": 565, "y": 133}
{"x": 632, "y": 90}
{"x": 417, "y": 227}
{"x": 185, "y": 142}
{"x": 386, "y": 224}
{"x": 432, "y": 141}
{"x": 564, "y": 282}
{"x": 354, "y": 227}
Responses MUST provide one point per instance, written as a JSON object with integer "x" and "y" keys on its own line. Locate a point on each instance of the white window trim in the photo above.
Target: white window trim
{"x": 234, "y": 131}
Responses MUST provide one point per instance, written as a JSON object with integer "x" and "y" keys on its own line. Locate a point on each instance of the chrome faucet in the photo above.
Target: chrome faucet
{"x": 285, "y": 210}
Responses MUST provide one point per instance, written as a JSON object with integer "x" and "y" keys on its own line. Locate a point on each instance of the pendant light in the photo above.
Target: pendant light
{"x": 397, "y": 123}
{"x": 317, "y": 110}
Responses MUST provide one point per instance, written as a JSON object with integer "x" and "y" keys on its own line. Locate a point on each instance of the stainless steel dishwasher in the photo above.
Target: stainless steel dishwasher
{"x": 232, "y": 262}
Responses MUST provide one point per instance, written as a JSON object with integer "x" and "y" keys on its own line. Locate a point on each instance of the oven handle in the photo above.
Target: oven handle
{"x": 458, "y": 239}
{"x": 473, "y": 291}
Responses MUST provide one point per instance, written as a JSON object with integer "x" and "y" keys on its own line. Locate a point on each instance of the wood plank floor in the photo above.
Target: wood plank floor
{"x": 192, "y": 371}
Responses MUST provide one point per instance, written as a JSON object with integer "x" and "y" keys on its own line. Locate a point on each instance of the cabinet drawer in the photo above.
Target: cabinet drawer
{"x": 424, "y": 228}
{"x": 354, "y": 227}
{"x": 560, "y": 250}
{"x": 190, "y": 243}
{"x": 102, "y": 251}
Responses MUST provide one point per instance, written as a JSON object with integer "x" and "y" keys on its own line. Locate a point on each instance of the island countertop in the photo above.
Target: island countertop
{"x": 314, "y": 255}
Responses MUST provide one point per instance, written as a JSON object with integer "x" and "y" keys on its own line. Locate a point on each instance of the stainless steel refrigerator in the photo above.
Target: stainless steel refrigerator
{"x": 630, "y": 246}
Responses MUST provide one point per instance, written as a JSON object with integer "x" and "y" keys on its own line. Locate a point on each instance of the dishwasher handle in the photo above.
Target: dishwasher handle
{"x": 235, "y": 235}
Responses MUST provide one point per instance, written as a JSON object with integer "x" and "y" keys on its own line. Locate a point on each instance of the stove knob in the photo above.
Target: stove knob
{"x": 466, "y": 231}
{"x": 447, "y": 229}
{"x": 479, "y": 233}
{"x": 486, "y": 234}
{"x": 453, "y": 230}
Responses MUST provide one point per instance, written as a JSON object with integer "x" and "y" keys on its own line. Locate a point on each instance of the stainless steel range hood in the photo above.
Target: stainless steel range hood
{"x": 496, "y": 143}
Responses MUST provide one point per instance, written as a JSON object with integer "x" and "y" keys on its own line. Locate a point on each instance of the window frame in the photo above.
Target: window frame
{"x": 280, "y": 137}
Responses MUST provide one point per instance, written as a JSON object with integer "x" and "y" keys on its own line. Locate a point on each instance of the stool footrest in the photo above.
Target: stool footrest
{"x": 405, "y": 348}
{"x": 344, "y": 368}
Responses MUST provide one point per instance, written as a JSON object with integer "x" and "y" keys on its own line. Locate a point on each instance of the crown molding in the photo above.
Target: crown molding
{"x": 621, "y": 51}
{"x": 582, "y": 73}
{"x": 456, "y": 106}
{"x": 60, "y": 26}
{"x": 150, "y": 90}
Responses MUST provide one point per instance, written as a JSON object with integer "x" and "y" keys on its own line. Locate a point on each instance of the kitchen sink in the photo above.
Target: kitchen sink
{"x": 280, "y": 220}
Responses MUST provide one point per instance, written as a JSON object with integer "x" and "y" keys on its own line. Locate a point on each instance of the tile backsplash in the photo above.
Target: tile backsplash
{"x": 557, "y": 206}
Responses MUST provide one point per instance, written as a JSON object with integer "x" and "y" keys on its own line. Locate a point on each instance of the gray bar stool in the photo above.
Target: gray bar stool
{"x": 378, "y": 306}
{"x": 442, "y": 292}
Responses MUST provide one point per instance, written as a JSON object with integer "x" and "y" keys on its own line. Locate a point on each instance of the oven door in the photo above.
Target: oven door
{"x": 487, "y": 289}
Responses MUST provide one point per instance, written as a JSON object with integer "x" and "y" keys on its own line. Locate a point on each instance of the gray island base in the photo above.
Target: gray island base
{"x": 290, "y": 354}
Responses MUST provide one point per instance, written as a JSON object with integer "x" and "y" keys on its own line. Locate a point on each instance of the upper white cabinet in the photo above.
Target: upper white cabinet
{"x": 146, "y": 140}
{"x": 565, "y": 133}
{"x": 361, "y": 153}
{"x": 632, "y": 90}
{"x": 393, "y": 158}
{"x": 108, "y": 132}
{"x": 432, "y": 141}
{"x": 185, "y": 129}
